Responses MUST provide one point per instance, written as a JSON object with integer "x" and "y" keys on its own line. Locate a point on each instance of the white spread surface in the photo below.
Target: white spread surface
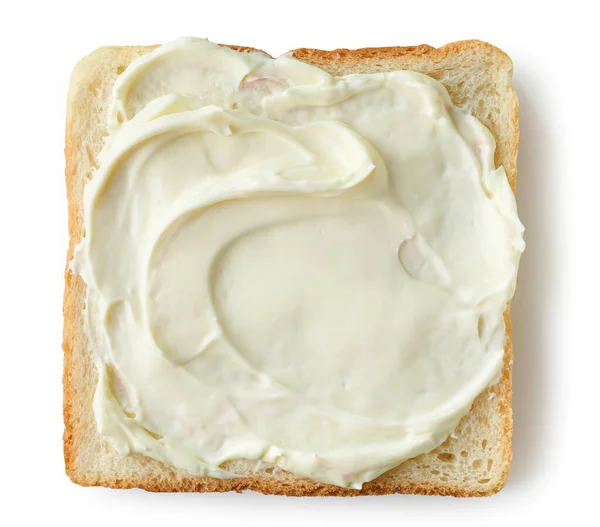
{"x": 292, "y": 267}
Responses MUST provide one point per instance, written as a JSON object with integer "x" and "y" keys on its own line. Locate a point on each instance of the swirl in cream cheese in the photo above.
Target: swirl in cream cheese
{"x": 291, "y": 267}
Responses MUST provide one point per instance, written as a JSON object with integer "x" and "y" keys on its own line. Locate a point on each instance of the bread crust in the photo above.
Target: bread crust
{"x": 89, "y": 459}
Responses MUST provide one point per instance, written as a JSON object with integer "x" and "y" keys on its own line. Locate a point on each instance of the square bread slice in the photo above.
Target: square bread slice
{"x": 473, "y": 461}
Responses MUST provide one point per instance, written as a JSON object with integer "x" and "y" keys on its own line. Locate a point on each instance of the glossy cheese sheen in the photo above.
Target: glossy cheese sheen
{"x": 291, "y": 267}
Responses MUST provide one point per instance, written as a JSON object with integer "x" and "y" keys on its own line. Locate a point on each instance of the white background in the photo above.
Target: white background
{"x": 555, "y": 311}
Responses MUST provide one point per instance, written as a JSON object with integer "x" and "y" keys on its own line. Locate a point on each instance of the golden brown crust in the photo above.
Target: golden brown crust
{"x": 411, "y": 53}
{"x": 79, "y": 377}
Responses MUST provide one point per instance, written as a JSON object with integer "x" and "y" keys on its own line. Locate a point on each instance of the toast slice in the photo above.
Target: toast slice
{"x": 473, "y": 461}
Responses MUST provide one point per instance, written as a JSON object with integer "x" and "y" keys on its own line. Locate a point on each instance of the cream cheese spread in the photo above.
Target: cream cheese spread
{"x": 291, "y": 267}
